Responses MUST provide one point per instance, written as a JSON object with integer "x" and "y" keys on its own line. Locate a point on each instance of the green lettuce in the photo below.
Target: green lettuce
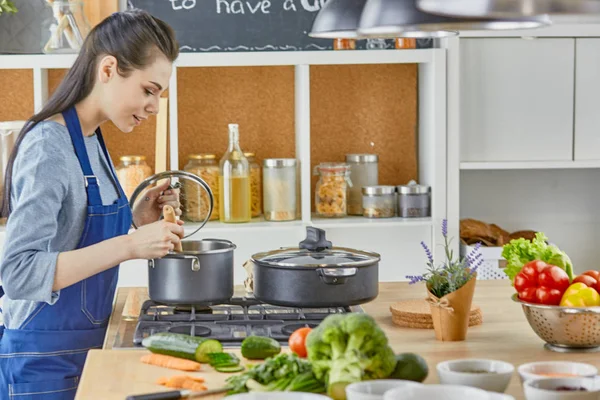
{"x": 521, "y": 251}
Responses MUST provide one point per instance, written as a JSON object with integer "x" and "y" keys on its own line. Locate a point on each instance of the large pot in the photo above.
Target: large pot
{"x": 316, "y": 274}
{"x": 202, "y": 274}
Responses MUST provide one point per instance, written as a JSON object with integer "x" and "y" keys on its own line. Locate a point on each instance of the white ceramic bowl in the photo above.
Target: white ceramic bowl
{"x": 543, "y": 369}
{"x": 442, "y": 392}
{"x": 278, "y": 396}
{"x": 374, "y": 390}
{"x": 456, "y": 372}
{"x": 543, "y": 389}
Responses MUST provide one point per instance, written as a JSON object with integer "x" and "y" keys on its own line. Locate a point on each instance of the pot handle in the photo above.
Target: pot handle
{"x": 195, "y": 262}
{"x": 336, "y": 276}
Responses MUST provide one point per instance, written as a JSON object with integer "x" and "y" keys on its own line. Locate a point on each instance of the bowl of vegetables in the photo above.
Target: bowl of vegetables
{"x": 562, "y": 309}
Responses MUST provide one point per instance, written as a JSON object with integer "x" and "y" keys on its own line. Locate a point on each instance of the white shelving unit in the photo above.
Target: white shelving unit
{"x": 396, "y": 239}
{"x": 530, "y": 165}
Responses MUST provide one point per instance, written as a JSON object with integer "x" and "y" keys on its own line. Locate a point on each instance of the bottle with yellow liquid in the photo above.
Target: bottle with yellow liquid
{"x": 234, "y": 182}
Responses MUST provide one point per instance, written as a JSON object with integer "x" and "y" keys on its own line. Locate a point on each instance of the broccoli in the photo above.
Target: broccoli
{"x": 348, "y": 348}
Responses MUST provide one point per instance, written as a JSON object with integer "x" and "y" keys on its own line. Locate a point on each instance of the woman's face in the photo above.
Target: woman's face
{"x": 128, "y": 101}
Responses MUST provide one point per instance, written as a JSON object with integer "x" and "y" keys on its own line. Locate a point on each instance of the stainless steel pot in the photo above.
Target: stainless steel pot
{"x": 316, "y": 274}
{"x": 201, "y": 275}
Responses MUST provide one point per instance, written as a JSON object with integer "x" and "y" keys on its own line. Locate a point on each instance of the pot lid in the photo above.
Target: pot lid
{"x": 195, "y": 196}
{"x": 316, "y": 252}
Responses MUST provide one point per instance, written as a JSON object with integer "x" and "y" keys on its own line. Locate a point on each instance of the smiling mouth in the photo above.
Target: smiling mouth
{"x": 137, "y": 119}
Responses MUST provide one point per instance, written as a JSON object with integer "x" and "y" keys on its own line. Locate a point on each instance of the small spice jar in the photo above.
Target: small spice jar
{"x": 255, "y": 185}
{"x": 279, "y": 189}
{"x": 194, "y": 200}
{"x": 414, "y": 200}
{"x": 379, "y": 201}
{"x": 131, "y": 171}
{"x": 364, "y": 171}
{"x": 344, "y": 44}
{"x": 405, "y": 43}
{"x": 331, "y": 191}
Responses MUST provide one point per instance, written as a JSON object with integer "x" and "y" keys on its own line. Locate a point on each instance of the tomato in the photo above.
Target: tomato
{"x": 533, "y": 268}
{"x": 547, "y": 296}
{"x": 297, "y": 341}
{"x": 593, "y": 274}
{"x": 528, "y": 295}
{"x": 554, "y": 277}
{"x": 586, "y": 280}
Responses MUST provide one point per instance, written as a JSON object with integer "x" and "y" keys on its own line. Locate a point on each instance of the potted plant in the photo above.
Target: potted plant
{"x": 7, "y": 6}
{"x": 450, "y": 287}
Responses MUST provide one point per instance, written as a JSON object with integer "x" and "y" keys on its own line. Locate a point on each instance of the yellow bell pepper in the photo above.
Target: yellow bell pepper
{"x": 580, "y": 295}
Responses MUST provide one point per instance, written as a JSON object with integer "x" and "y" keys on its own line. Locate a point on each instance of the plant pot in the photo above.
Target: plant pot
{"x": 450, "y": 314}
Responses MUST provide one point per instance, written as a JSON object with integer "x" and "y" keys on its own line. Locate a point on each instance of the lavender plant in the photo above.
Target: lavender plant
{"x": 453, "y": 273}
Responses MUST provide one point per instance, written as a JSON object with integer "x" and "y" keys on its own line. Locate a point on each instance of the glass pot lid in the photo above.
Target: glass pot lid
{"x": 195, "y": 197}
{"x": 316, "y": 252}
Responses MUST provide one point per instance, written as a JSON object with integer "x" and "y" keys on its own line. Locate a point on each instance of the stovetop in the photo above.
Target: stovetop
{"x": 229, "y": 323}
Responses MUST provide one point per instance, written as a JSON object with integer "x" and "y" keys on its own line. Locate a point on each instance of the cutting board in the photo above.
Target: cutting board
{"x": 135, "y": 377}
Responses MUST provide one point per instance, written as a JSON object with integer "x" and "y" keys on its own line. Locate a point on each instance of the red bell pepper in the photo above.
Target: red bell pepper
{"x": 590, "y": 279}
{"x": 541, "y": 283}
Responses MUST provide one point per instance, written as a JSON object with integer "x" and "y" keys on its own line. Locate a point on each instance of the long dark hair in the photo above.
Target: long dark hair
{"x": 133, "y": 37}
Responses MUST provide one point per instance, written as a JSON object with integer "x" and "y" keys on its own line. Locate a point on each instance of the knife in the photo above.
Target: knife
{"x": 177, "y": 394}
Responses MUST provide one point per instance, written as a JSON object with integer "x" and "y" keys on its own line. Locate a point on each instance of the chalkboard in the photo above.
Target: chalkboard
{"x": 243, "y": 25}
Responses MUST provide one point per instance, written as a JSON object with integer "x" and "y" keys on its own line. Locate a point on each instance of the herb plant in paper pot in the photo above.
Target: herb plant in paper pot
{"x": 450, "y": 288}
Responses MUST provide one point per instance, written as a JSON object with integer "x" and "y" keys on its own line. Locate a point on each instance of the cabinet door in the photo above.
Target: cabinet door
{"x": 587, "y": 88}
{"x": 517, "y": 99}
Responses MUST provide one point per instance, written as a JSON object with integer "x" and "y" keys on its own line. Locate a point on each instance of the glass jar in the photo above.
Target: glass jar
{"x": 364, "y": 171}
{"x": 414, "y": 200}
{"x": 68, "y": 27}
{"x": 195, "y": 200}
{"x": 376, "y": 44}
{"x": 379, "y": 201}
{"x": 331, "y": 191}
{"x": 131, "y": 171}
{"x": 279, "y": 189}
{"x": 344, "y": 44}
{"x": 255, "y": 185}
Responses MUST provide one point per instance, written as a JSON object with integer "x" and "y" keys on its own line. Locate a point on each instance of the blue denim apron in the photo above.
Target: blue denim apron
{"x": 44, "y": 357}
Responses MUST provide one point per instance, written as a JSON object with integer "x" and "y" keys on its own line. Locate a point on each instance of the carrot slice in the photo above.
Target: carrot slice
{"x": 165, "y": 361}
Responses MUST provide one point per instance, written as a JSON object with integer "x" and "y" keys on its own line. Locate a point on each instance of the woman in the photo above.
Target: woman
{"x": 69, "y": 217}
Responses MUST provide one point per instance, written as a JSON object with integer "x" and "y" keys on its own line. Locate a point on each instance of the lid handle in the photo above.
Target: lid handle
{"x": 315, "y": 240}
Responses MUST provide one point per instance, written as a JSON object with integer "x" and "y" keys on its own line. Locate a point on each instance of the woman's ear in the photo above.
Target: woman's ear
{"x": 107, "y": 68}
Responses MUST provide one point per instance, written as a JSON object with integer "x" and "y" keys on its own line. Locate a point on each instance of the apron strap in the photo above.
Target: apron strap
{"x": 106, "y": 155}
{"x": 91, "y": 182}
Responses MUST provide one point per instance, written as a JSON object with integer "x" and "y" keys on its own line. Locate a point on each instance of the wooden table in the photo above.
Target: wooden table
{"x": 505, "y": 335}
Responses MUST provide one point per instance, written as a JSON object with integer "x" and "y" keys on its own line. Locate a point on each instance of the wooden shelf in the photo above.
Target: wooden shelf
{"x": 508, "y": 165}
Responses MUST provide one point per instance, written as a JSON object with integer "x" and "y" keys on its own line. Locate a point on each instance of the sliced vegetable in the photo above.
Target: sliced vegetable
{"x": 580, "y": 295}
{"x": 260, "y": 347}
{"x": 183, "y": 382}
{"x": 161, "y": 360}
{"x": 182, "y": 346}
{"x": 223, "y": 359}
{"x": 229, "y": 369}
{"x": 297, "y": 341}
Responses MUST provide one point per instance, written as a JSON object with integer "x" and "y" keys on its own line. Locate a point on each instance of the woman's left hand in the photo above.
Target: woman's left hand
{"x": 148, "y": 207}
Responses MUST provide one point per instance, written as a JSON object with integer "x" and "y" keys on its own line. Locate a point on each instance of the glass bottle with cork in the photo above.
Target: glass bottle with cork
{"x": 234, "y": 182}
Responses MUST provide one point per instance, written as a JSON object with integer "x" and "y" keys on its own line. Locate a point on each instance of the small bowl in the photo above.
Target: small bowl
{"x": 495, "y": 376}
{"x": 446, "y": 392}
{"x": 278, "y": 396}
{"x": 374, "y": 390}
{"x": 556, "y": 369}
{"x": 544, "y": 389}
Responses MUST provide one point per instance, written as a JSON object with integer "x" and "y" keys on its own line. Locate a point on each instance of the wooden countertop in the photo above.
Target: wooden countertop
{"x": 505, "y": 335}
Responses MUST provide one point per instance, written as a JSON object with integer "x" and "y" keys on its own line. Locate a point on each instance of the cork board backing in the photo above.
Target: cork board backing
{"x": 16, "y": 95}
{"x": 366, "y": 109}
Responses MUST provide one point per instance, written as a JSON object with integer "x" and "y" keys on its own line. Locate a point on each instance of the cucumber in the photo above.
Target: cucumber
{"x": 182, "y": 346}
{"x": 230, "y": 369}
{"x": 223, "y": 359}
{"x": 260, "y": 347}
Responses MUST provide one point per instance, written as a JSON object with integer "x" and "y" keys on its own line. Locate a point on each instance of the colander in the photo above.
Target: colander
{"x": 564, "y": 329}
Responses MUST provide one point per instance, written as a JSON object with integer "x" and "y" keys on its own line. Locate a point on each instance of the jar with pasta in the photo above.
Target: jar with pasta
{"x": 131, "y": 171}
{"x": 331, "y": 191}
{"x": 194, "y": 200}
{"x": 255, "y": 185}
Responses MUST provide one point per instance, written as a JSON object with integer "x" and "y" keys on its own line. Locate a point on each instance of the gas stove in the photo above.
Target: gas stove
{"x": 229, "y": 323}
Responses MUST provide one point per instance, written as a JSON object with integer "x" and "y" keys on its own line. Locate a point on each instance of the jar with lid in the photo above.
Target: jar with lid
{"x": 331, "y": 191}
{"x": 364, "y": 171}
{"x": 414, "y": 200}
{"x": 194, "y": 200}
{"x": 131, "y": 171}
{"x": 255, "y": 185}
{"x": 344, "y": 44}
{"x": 379, "y": 201}
{"x": 279, "y": 189}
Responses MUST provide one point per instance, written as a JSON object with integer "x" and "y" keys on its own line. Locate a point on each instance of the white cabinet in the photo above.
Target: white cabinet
{"x": 587, "y": 88}
{"x": 517, "y": 99}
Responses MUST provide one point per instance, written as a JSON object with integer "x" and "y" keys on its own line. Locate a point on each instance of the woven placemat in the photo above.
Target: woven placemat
{"x": 417, "y": 314}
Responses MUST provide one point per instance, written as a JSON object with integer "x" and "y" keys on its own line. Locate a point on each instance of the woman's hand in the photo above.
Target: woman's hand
{"x": 148, "y": 207}
{"x": 155, "y": 240}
